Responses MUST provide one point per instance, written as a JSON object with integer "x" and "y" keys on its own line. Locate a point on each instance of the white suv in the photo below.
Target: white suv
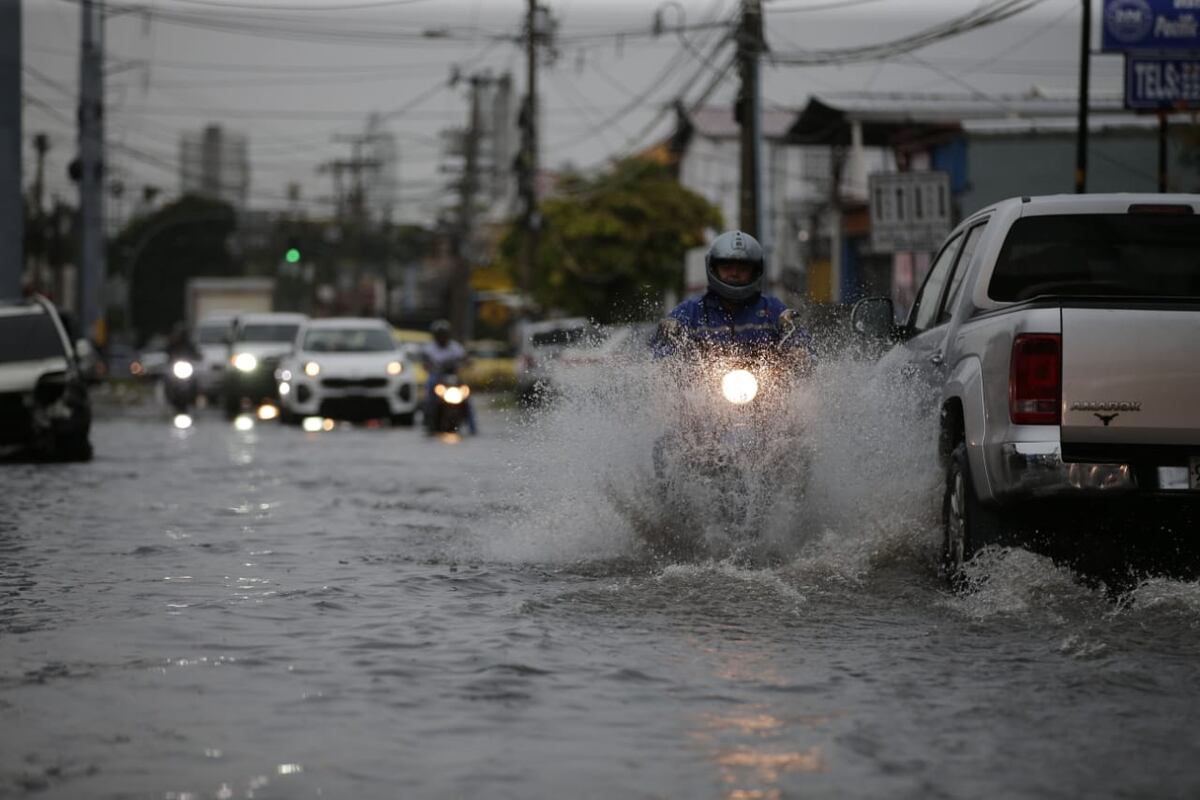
{"x": 43, "y": 396}
{"x": 347, "y": 368}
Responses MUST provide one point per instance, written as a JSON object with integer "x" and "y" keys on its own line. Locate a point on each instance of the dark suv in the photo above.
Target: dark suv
{"x": 44, "y": 406}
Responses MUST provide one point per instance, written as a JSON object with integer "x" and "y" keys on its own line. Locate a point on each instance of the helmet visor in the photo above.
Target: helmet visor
{"x": 735, "y": 273}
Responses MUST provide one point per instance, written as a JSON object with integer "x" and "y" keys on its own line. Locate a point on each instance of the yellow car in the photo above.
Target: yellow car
{"x": 491, "y": 365}
{"x": 411, "y": 341}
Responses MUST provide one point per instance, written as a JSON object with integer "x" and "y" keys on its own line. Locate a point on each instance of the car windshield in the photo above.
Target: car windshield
{"x": 29, "y": 337}
{"x": 211, "y": 334}
{"x": 268, "y": 332}
{"x": 348, "y": 340}
{"x": 1150, "y": 255}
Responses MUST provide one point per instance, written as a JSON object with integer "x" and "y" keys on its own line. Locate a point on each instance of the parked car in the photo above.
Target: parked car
{"x": 44, "y": 404}
{"x": 540, "y": 344}
{"x": 258, "y": 342}
{"x": 347, "y": 368}
{"x": 1059, "y": 338}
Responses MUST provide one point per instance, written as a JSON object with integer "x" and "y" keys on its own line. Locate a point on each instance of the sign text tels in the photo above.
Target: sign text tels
{"x": 1162, "y": 83}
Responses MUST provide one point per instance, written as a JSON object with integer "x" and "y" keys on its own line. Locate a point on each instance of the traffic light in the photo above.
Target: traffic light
{"x": 292, "y": 254}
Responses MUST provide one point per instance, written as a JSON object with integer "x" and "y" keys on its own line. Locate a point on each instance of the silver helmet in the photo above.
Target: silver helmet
{"x": 734, "y": 246}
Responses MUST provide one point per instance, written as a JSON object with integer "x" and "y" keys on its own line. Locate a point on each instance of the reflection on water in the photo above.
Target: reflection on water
{"x": 756, "y": 768}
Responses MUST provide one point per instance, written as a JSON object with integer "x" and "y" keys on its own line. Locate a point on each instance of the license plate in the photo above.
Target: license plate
{"x": 1194, "y": 472}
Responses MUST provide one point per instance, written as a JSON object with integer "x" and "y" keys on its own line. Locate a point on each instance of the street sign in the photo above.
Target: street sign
{"x": 1156, "y": 83}
{"x": 910, "y": 211}
{"x": 1163, "y": 26}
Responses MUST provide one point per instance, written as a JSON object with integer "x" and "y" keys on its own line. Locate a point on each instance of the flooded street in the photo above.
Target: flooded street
{"x": 216, "y": 613}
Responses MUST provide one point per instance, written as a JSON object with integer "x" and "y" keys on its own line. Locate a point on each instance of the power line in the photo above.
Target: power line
{"x": 979, "y": 18}
{"x": 272, "y": 7}
{"x": 838, "y": 4}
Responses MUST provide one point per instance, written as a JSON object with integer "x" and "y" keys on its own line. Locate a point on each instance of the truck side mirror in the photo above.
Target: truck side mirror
{"x": 874, "y": 318}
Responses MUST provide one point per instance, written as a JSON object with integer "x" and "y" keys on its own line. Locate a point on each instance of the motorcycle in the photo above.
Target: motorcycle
{"x": 448, "y": 409}
{"x": 735, "y": 452}
{"x": 179, "y": 385}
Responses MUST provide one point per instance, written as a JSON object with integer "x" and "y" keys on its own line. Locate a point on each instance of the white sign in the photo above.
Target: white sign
{"x": 910, "y": 211}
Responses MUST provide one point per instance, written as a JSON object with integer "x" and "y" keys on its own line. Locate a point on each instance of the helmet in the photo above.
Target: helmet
{"x": 440, "y": 327}
{"x": 734, "y": 246}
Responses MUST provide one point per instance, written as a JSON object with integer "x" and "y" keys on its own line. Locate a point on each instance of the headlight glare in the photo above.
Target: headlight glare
{"x": 739, "y": 386}
{"x": 245, "y": 362}
{"x": 312, "y": 369}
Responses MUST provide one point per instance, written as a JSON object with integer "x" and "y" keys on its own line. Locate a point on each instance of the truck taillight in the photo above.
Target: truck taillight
{"x": 1035, "y": 379}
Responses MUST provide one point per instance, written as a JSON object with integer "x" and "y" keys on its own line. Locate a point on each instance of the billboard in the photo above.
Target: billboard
{"x": 1162, "y": 26}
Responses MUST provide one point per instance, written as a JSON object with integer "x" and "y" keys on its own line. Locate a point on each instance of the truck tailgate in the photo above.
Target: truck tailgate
{"x": 1131, "y": 375}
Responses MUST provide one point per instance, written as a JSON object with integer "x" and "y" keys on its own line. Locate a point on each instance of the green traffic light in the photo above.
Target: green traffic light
{"x": 293, "y": 255}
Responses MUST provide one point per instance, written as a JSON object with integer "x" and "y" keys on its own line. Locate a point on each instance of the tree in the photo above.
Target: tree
{"x": 613, "y": 243}
{"x": 160, "y": 251}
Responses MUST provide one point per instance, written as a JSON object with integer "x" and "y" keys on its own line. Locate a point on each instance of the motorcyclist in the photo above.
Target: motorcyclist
{"x": 733, "y": 312}
{"x": 438, "y": 356}
{"x": 180, "y": 346}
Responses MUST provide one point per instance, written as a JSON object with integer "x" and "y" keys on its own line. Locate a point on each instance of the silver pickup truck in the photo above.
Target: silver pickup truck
{"x": 1062, "y": 337}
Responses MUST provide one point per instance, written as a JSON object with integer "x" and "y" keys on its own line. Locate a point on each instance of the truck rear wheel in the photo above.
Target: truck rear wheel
{"x": 968, "y": 525}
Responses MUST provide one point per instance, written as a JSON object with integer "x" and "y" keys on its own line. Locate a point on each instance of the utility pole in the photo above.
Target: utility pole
{"x": 749, "y": 116}
{"x": 1081, "y": 134}
{"x": 91, "y": 173}
{"x": 531, "y": 221}
{"x": 460, "y": 286}
{"x": 1162, "y": 152}
{"x": 12, "y": 215}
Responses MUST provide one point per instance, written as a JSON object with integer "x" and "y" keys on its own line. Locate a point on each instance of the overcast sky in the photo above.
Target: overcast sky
{"x": 294, "y": 74}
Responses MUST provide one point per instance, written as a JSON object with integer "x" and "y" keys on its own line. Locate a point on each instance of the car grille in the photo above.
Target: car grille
{"x": 354, "y": 383}
{"x": 355, "y": 408}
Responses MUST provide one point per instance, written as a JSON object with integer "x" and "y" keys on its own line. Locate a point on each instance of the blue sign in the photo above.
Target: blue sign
{"x": 1162, "y": 83}
{"x": 1171, "y": 26}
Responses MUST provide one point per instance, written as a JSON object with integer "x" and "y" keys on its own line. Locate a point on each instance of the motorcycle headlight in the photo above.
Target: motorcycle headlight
{"x": 245, "y": 362}
{"x": 453, "y": 395}
{"x": 395, "y": 368}
{"x": 182, "y": 370}
{"x": 312, "y": 369}
{"x": 739, "y": 386}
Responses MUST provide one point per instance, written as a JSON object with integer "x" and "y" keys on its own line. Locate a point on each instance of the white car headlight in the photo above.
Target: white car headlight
{"x": 245, "y": 362}
{"x": 395, "y": 368}
{"x": 182, "y": 370}
{"x": 739, "y": 386}
{"x": 312, "y": 369}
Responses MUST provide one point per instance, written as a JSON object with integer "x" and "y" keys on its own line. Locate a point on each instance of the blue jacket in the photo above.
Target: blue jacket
{"x": 753, "y": 326}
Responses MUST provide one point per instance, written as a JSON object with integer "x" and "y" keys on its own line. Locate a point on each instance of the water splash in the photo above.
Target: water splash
{"x": 843, "y": 477}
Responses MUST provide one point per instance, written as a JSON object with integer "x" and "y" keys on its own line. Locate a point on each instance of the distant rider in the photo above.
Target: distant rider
{"x": 733, "y": 312}
{"x": 180, "y": 346}
{"x": 440, "y": 356}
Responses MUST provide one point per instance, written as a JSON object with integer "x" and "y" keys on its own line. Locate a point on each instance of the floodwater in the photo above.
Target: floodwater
{"x": 268, "y": 613}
